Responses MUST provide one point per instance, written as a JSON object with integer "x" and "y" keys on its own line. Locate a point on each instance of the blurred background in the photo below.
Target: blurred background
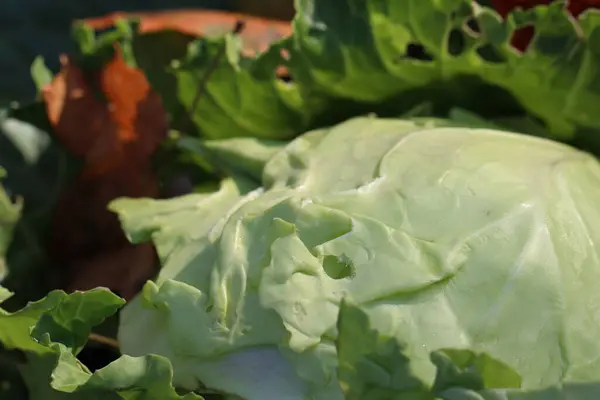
{"x": 29, "y": 28}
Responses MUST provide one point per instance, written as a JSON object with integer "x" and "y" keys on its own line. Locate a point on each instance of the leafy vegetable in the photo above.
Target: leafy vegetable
{"x": 431, "y": 254}
{"x": 59, "y": 326}
{"x": 446, "y": 237}
{"x": 369, "y": 43}
{"x": 372, "y": 366}
{"x": 522, "y": 38}
{"x": 243, "y": 97}
{"x": 385, "y": 57}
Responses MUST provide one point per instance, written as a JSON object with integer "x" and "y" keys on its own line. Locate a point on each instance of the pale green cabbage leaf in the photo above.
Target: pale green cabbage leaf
{"x": 446, "y": 237}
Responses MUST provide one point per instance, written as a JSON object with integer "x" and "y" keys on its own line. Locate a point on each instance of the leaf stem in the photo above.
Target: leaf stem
{"x": 105, "y": 340}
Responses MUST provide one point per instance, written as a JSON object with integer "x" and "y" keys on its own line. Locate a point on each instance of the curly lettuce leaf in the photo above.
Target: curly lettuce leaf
{"x": 377, "y": 51}
{"x": 52, "y": 331}
{"x": 166, "y": 222}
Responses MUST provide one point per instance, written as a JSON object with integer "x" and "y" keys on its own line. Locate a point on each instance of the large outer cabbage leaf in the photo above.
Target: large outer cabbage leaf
{"x": 446, "y": 237}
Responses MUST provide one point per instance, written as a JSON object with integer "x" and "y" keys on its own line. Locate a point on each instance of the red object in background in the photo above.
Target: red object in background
{"x": 128, "y": 128}
{"x": 115, "y": 138}
{"x": 523, "y": 36}
{"x": 257, "y": 35}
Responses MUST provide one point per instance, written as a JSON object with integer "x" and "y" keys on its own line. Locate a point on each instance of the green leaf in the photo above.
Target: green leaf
{"x": 59, "y": 326}
{"x": 404, "y": 52}
{"x": 360, "y": 56}
{"x": 349, "y": 211}
{"x": 69, "y": 318}
{"x": 4, "y": 294}
{"x": 241, "y": 96}
{"x": 71, "y": 321}
{"x": 40, "y": 73}
{"x": 167, "y": 222}
{"x": 15, "y": 327}
{"x": 158, "y": 67}
{"x": 471, "y": 370}
{"x": 206, "y": 84}
{"x": 372, "y": 367}
{"x": 143, "y": 378}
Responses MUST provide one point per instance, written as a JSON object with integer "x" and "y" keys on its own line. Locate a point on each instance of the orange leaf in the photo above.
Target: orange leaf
{"x": 116, "y": 138}
{"x": 129, "y": 128}
{"x": 134, "y": 107}
{"x": 78, "y": 118}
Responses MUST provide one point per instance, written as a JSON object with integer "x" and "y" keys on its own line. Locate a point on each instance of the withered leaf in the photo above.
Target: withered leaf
{"x": 126, "y": 128}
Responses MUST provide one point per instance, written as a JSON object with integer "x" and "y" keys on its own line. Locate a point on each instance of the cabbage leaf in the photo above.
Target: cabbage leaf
{"x": 447, "y": 237}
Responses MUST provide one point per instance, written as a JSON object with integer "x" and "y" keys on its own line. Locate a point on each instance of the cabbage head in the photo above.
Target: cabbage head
{"x": 446, "y": 237}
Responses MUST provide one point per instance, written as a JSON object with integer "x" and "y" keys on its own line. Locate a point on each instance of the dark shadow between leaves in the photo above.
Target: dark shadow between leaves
{"x": 39, "y": 181}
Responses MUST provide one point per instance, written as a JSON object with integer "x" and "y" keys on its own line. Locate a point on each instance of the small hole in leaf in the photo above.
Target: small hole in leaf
{"x": 209, "y": 308}
{"x": 522, "y": 38}
{"x": 472, "y": 28}
{"x": 456, "y": 42}
{"x": 338, "y": 267}
{"x": 491, "y": 54}
{"x": 283, "y": 74}
{"x": 417, "y": 52}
